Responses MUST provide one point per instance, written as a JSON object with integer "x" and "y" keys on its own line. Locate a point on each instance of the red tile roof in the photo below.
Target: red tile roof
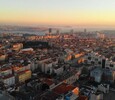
{"x": 7, "y": 68}
{"x": 8, "y": 76}
{"x": 22, "y": 72}
{"x": 82, "y": 97}
{"x": 63, "y": 88}
{"x": 48, "y": 62}
{"x": 48, "y": 82}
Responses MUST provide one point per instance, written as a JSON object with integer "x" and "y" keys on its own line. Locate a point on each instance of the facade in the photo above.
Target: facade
{"x": 108, "y": 75}
{"x": 58, "y": 70}
{"x": 96, "y": 74}
{"x": 17, "y": 46}
{"x": 23, "y": 76}
{"x": 72, "y": 79}
{"x": 5, "y": 96}
{"x": 104, "y": 88}
{"x": 7, "y": 76}
{"x": 3, "y": 57}
{"x": 33, "y": 65}
{"x": 5, "y": 71}
{"x": 42, "y": 60}
{"x": 99, "y": 60}
{"x": 47, "y": 66}
{"x": 96, "y": 96}
{"x": 9, "y": 80}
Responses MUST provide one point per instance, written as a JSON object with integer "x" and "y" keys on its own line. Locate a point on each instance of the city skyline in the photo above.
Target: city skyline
{"x": 58, "y": 12}
{"x": 57, "y": 50}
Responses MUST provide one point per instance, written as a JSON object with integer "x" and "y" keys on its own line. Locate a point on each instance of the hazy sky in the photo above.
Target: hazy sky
{"x": 58, "y": 12}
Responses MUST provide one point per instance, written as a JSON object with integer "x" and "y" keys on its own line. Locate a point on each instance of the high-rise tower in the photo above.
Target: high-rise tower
{"x": 50, "y": 31}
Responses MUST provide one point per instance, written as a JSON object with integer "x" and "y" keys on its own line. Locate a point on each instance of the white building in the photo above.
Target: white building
{"x": 99, "y": 60}
{"x": 34, "y": 65}
{"x": 47, "y": 66}
{"x": 73, "y": 78}
{"x": 41, "y": 61}
{"x": 104, "y": 88}
{"x": 58, "y": 70}
{"x": 9, "y": 80}
{"x": 96, "y": 74}
{"x": 27, "y": 50}
{"x": 96, "y": 96}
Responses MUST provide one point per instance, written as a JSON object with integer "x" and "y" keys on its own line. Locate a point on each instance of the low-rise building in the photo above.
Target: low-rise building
{"x": 3, "y": 57}
{"x": 50, "y": 83}
{"x": 5, "y": 71}
{"x": 5, "y": 96}
{"x": 23, "y": 76}
{"x": 96, "y": 74}
{"x": 96, "y": 96}
{"x": 58, "y": 70}
{"x": 8, "y": 80}
{"x": 17, "y": 46}
{"x": 104, "y": 88}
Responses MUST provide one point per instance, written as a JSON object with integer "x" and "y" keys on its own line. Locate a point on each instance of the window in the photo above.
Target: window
{"x": 99, "y": 62}
{"x": 111, "y": 65}
{"x": 89, "y": 58}
{"x": 96, "y": 59}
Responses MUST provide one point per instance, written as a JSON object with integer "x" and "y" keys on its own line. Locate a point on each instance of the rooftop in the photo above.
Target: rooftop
{"x": 63, "y": 88}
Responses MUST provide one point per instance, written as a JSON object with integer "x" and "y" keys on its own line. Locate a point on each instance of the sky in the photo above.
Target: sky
{"x": 58, "y": 12}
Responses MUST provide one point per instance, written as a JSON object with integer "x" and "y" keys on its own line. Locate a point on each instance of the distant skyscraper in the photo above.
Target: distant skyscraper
{"x": 50, "y": 30}
{"x": 85, "y": 30}
{"x": 71, "y": 31}
{"x": 57, "y": 32}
